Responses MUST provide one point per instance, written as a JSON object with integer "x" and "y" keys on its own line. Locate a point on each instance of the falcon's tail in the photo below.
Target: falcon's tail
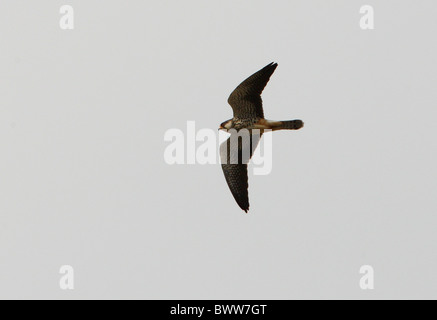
{"x": 289, "y": 125}
{"x": 278, "y": 125}
{"x": 282, "y": 125}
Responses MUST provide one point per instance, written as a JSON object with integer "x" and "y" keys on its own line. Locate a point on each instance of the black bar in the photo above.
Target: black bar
{"x": 217, "y": 309}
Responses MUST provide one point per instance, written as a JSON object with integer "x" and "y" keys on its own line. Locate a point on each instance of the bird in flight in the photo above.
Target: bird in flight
{"x": 246, "y": 129}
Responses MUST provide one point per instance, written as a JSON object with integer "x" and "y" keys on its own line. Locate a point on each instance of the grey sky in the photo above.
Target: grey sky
{"x": 83, "y": 181}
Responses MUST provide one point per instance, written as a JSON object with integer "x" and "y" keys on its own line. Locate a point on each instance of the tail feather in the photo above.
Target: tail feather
{"x": 289, "y": 125}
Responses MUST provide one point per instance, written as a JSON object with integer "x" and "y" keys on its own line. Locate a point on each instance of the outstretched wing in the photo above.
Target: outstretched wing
{"x": 246, "y": 100}
{"x": 236, "y": 178}
{"x": 235, "y": 154}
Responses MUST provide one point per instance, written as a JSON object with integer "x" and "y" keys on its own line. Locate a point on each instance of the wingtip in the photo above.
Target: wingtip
{"x": 245, "y": 207}
{"x": 271, "y": 64}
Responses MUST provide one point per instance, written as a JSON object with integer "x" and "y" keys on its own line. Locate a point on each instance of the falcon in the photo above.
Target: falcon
{"x": 246, "y": 129}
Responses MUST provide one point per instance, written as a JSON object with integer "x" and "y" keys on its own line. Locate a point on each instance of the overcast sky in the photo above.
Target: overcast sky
{"x": 83, "y": 181}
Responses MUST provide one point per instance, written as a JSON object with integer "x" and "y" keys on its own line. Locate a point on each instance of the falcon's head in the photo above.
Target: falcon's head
{"x": 229, "y": 124}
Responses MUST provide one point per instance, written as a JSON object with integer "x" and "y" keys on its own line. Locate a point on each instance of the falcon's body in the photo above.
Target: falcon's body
{"x": 246, "y": 103}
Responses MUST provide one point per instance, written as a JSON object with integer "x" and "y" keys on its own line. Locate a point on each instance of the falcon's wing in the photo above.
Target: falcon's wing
{"x": 245, "y": 100}
{"x": 236, "y": 178}
{"x": 235, "y": 154}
